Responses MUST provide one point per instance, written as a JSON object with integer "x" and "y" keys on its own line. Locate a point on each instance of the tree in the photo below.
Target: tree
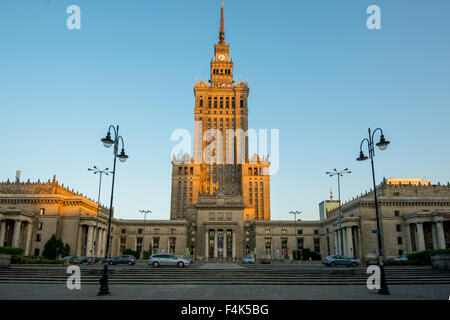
{"x": 54, "y": 247}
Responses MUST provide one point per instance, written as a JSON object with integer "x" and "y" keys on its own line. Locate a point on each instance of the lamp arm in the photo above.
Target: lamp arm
{"x": 368, "y": 144}
{"x": 373, "y": 133}
{"x": 123, "y": 144}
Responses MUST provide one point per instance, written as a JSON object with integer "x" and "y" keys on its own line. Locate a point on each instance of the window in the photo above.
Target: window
{"x": 267, "y": 231}
{"x": 397, "y": 213}
{"x": 40, "y": 225}
{"x": 211, "y": 215}
{"x": 299, "y": 243}
{"x": 156, "y": 230}
{"x": 139, "y": 242}
{"x": 123, "y": 240}
{"x": 299, "y": 231}
{"x": 400, "y": 252}
{"x": 399, "y": 240}
{"x": 139, "y": 231}
{"x": 283, "y": 231}
{"x": 42, "y": 211}
{"x": 38, "y": 238}
{"x": 229, "y": 215}
{"x": 124, "y": 231}
{"x": 317, "y": 245}
{"x": 173, "y": 231}
{"x": 399, "y": 228}
{"x": 220, "y": 215}
{"x": 316, "y": 232}
{"x": 36, "y": 252}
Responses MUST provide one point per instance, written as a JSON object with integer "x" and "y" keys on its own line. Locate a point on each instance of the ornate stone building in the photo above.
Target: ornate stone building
{"x": 220, "y": 201}
{"x": 221, "y": 180}
{"x": 414, "y": 216}
{"x": 30, "y": 213}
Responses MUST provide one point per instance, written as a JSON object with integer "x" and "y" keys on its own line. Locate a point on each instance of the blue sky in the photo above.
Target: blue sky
{"x": 315, "y": 72}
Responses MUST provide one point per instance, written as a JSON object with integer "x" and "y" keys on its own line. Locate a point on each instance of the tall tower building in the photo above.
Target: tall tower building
{"x": 221, "y": 164}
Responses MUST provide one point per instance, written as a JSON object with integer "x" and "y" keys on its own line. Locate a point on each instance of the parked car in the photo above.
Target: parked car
{"x": 80, "y": 260}
{"x": 400, "y": 259}
{"x": 67, "y": 258}
{"x": 248, "y": 259}
{"x": 188, "y": 258}
{"x": 122, "y": 259}
{"x": 264, "y": 261}
{"x": 157, "y": 260}
{"x": 340, "y": 260}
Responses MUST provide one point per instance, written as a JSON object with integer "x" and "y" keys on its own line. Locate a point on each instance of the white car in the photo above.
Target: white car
{"x": 158, "y": 260}
{"x": 248, "y": 259}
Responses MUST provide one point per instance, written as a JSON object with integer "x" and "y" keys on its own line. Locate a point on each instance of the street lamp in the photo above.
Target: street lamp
{"x": 382, "y": 144}
{"x": 143, "y": 237}
{"x": 339, "y": 174}
{"x": 108, "y": 142}
{"x": 106, "y": 172}
{"x": 295, "y": 213}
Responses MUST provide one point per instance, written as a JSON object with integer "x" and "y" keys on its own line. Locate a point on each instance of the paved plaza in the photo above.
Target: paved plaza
{"x": 221, "y": 292}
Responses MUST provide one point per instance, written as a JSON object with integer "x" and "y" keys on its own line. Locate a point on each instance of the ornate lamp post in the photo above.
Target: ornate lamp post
{"x": 339, "y": 174}
{"x": 143, "y": 237}
{"x": 382, "y": 145}
{"x": 108, "y": 142}
{"x": 106, "y": 172}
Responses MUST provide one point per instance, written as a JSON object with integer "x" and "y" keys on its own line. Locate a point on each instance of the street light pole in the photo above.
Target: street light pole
{"x": 295, "y": 213}
{"x": 143, "y": 237}
{"x": 108, "y": 142}
{"x": 96, "y": 170}
{"x": 382, "y": 145}
{"x": 339, "y": 174}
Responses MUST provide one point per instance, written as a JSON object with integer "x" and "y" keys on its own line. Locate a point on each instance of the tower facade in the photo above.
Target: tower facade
{"x": 221, "y": 165}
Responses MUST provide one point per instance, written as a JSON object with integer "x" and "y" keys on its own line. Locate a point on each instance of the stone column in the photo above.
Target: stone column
{"x": 89, "y": 252}
{"x": 338, "y": 233}
{"x": 79, "y": 244}
{"x": 233, "y": 244}
{"x": 16, "y": 234}
{"x": 433, "y": 236}
{"x": 98, "y": 243}
{"x": 350, "y": 242}
{"x": 440, "y": 235}
{"x": 420, "y": 238}
{"x": 206, "y": 244}
{"x": 344, "y": 237}
{"x": 336, "y": 243}
{"x": 2, "y": 232}
{"x": 408, "y": 238}
{"x": 215, "y": 243}
{"x": 224, "y": 244}
{"x": 28, "y": 243}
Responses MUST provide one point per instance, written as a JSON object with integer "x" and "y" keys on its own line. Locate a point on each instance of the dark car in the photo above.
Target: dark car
{"x": 264, "y": 261}
{"x": 123, "y": 259}
{"x": 340, "y": 260}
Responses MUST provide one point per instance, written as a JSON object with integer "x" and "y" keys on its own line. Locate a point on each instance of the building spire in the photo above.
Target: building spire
{"x": 222, "y": 29}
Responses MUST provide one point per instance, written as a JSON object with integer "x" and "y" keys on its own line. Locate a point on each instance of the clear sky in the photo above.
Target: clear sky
{"x": 314, "y": 69}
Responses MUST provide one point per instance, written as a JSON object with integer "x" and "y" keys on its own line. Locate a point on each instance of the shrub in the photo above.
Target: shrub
{"x": 136, "y": 254}
{"x": 306, "y": 254}
{"x": 12, "y": 251}
{"x": 424, "y": 257}
{"x": 147, "y": 254}
{"x": 31, "y": 260}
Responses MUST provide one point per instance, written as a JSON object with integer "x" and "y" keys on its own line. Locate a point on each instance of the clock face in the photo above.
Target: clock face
{"x": 221, "y": 57}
